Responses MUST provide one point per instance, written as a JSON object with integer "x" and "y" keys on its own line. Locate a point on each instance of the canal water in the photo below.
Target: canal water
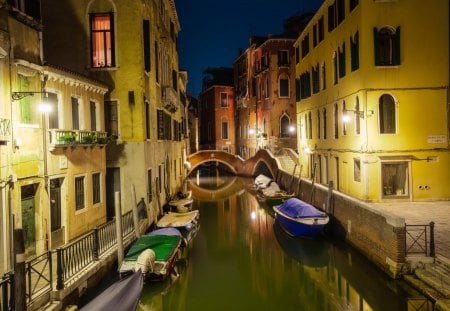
{"x": 242, "y": 260}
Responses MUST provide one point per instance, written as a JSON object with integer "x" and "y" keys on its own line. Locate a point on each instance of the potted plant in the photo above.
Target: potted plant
{"x": 66, "y": 138}
{"x": 88, "y": 139}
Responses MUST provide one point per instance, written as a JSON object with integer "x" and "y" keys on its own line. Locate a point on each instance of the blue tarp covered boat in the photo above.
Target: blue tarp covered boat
{"x": 299, "y": 218}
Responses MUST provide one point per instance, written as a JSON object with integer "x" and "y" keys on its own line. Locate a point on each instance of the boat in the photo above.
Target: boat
{"x": 273, "y": 195}
{"x": 123, "y": 295}
{"x": 155, "y": 255}
{"x": 262, "y": 181}
{"x": 182, "y": 202}
{"x": 299, "y": 218}
{"x": 187, "y": 223}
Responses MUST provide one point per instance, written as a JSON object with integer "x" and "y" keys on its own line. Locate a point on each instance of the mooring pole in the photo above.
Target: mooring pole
{"x": 135, "y": 212}
{"x": 119, "y": 231}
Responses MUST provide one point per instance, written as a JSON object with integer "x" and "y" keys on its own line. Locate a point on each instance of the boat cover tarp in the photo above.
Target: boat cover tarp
{"x": 262, "y": 181}
{"x": 272, "y": 189}
{"x": 177, "y": 219}
{"x": 162, "y": 245}
{"x": 121, "y": 296}
{"x": 296, "y": 208}
{"x": 165, "y": 231}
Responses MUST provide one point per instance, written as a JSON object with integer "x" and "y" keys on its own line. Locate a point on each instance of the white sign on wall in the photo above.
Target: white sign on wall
{"x": 437, "y": 139}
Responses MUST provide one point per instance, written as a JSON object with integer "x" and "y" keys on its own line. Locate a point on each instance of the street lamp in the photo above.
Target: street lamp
{"x": 346, "y": 117}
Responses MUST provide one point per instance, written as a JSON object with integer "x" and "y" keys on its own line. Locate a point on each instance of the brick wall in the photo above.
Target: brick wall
{"x": 380, "y": 237}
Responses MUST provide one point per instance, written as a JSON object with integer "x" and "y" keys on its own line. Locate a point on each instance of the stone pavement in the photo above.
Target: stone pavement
{"x": 422, "y": 213}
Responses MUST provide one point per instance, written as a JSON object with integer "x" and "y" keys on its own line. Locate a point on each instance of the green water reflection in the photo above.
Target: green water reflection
{"x": 242, "y": 260}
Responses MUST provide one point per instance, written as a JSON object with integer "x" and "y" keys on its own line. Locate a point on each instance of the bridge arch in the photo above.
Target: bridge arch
{"x": 263, "y": 162}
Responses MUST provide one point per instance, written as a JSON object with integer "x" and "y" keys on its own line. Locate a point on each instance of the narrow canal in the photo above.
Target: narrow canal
{"x": 242, "y": 260}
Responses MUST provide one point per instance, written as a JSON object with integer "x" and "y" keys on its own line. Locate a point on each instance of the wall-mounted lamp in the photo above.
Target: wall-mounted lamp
{"x": 346, "y": 117}
{"x": 291, "y": 129}
{"x": 20, "y": 95}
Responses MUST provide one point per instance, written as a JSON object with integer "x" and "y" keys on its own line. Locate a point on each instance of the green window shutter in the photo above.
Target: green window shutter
{"x": 354, "y": 52}
{"x": 396, "y": 47}
{"x": 147, "y": 47}
{"x": 376, "y": 46}
{"x": 341, "y": 60}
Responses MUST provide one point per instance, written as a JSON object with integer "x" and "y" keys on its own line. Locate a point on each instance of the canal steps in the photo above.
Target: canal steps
{"x": 433, "y": 280}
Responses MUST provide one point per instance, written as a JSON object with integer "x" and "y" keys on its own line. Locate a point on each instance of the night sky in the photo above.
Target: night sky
{"x": 212, "y": 31}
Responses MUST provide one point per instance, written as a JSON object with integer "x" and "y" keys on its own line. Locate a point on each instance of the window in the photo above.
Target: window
{"x": 324, "y": 114}
{"x": 395, "y": 176}
{"x": 386, "y": 110}
{"x": 323, "y": 84}
{"x": 354, "y": 52}
{"x": 357, "y": 117}
{"x": 223, "y": 100}
{"x": 297, "y": 55}
{"x": 353, "y": 4}
{"x": 341, "y": 52}
{"x": 284, "y": 87}
{"x": 284, "y": 126}
{"x": 93, "y": 115}
{"x": 356, "y": 169}
{"x": 164, "y": 125}
{"x": 310, "y": 126}
{"x": 336, "y": 14}
{"x": 305, "y": 85}
{"x": 387, "y": 46}
{"x": 96, "y": 188}
{"x": 321, "y": 30}
{"x": 297, "y": 89}
{"x": 315, "y": 78}
{"x": 336, "y": 121}
{"x": 224, "y": 129}
{"x": 305, "y": 46}
{"x": 315, "y": 35}
{"x": 344, "y": 124}
{"x": 111, "y": 118}
{"x": 75, "y": 114}
{"x": 157, "y": 62}
{"x": 318, "y": 124}
{"x": 335, "y": 68}
{"x": 283, "y": 58}
{"x": 175, "y": 80}
{"x": 79, "y": 193}
{"x": 102, "y": 40}
{"x": 146, "y": 43}
{"x": 147, "y": 120}
{"x": 53, "y": 120}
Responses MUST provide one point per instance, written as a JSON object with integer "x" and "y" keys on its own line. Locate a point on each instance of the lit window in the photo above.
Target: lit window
{"x": 102, "y": 40}
{"x": 356, "y": 169}
{"x": 223, "y": 100}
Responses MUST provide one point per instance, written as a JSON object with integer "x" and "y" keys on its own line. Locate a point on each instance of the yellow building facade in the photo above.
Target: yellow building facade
{"x": 373, "y": 114}
{"x": 138, "y": 61}
{"x": 52, "y": 187}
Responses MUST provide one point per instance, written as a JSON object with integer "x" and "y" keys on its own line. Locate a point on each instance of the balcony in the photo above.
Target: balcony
{"x": 170, "y": 98}
{"x": 66, "y": 138}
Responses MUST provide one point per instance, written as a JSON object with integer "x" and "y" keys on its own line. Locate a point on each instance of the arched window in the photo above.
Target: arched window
{"x": 336, "y": 121}
{"x": 387, "y": 46}
{"x": 284, "y": 126}
{"x": 387, "y": 113}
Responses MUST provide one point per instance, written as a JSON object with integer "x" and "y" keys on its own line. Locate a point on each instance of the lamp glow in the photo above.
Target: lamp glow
{"x": 45, "y": 107}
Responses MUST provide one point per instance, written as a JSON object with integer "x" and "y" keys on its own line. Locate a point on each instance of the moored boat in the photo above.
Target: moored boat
{"x": 154, "y": 255}
{"x": 123, "y": 295}
{"x": 273, "y": 195}
{"x": 299, "y": 218}
{"x": 187, "y": 223}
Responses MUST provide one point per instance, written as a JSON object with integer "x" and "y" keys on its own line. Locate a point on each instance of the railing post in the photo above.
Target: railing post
{"x": 96, "y": 245}
{"x": 59, "y": 270}
{"x": 432, "y": 246}
{"x": 50, "y": 267}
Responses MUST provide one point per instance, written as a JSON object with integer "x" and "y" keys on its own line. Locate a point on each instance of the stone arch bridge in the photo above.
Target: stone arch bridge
{"x": 263, "y": 162}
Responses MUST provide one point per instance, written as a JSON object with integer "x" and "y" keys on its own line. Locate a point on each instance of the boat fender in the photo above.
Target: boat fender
{"x": 145, "y": 261}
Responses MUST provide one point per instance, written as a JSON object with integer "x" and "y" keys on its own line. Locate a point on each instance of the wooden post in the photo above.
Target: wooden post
{"x": 119, "y": 230}
{"x": 330, "y": 195}
{"x": 432, "y": 246}
{"x": 312, "y": 183}
{"x": 19, "y": 270}
{"x": 293, "y": 176}
{"x": 135, "y": 212}
{"x": 299, "y": 180}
